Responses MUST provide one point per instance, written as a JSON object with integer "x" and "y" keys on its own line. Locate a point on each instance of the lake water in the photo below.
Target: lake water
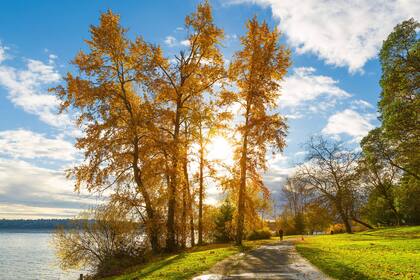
{"x": 30, "y": 256}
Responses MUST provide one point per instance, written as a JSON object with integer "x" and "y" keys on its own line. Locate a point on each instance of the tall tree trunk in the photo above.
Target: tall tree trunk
{"x": 192, "y": 232}
{"x": 152, "y": 226}
{"x": 344, "y": 217}
{"x": 396, "y": 214}
{"x": 190, "y": 202}
{"x": 184, "y": 217}
{"x": 390, "y": 202}
{"x": 201, "y": 190}
{"x": 189, "y": 197}
{"x": 170, "y": 223}
{"x": 242, "y": 183}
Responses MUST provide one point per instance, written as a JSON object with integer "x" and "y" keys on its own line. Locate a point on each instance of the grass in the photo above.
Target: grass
{"x": 392, "y": 253}
{"x": 188, "y": 264}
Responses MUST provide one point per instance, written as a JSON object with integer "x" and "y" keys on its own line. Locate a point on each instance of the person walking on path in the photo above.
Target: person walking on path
{"x": 281, "y": 234}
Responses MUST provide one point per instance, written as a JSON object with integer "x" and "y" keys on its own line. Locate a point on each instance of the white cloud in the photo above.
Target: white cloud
{"x": 27, "y": 144}
{"x": 41, "y": 191}
{"x": 231, "y": 36}
{"x": 275, "y": 177}
{"x": 185, "y": 43}
{"x": 52, "y": 58}
{"x": 2, "y": 53}
{"x": 276, "y": 159}
{"x": 170, "y": 41}
{"x": 359, "y": 103}
{"x": 342, "y": 32}
{"x": 349, "y": 122}
{"x": 304, "y": 85}
{"x": 294, "y": 116}
{"x": 22, "y": 211}
{"x": 27, "y": 89}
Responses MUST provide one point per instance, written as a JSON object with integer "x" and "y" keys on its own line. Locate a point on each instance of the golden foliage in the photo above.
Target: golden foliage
{"x": 257, "y": 70}
{"x": 141, "y": 112}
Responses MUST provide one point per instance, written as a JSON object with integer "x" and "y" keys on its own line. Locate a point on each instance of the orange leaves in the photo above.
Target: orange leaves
{"x": 109, "y": 37}
{"x": 256, "y": 70}
{"x": 141, "y": 113}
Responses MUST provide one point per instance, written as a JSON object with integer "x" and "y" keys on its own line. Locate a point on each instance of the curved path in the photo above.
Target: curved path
{"x": 275, "y": 261}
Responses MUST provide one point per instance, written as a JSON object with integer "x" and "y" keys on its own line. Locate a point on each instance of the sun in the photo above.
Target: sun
{"x": 220, "y": 149}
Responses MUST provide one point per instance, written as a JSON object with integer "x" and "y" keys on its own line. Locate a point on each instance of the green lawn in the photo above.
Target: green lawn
{"x": 188, "y": 264}
{"x": 392, "y": 253}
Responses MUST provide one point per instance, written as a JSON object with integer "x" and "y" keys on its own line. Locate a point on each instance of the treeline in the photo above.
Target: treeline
{"x": 147, "y": 121}
{"x": 379, "y": 185}
{"x": 39, "y": 224}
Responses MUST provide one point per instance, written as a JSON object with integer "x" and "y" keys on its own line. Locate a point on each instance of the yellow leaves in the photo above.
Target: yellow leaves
{"x": 141, "y": 112}
{"x": 109, "y": 37}
{"x": 257, "y": 70}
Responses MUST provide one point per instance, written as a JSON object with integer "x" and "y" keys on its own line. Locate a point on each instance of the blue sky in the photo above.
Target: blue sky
{"x": 331, "y": 89}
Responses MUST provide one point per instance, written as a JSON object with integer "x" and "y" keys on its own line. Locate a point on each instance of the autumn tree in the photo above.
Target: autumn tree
{"x": 115, "y": 120}
{"x": 256, "y": 71}
{"x": 193, "y": 72}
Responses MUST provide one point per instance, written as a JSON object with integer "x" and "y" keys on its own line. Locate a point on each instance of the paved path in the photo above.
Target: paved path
{"x": 276, "y": 261}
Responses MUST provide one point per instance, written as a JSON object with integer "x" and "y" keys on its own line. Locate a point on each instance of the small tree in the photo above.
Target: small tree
{"x": 223, "y": 222}
{"x": 102, "y": 239}
{"x": 317, "y": 217}
{"x": 299, "y": 223}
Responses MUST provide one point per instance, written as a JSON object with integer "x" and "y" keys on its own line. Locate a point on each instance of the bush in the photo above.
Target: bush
{"x": 258, "y": 234}
{"x": 337, "y": 228}
{"x": 104, "y": 241}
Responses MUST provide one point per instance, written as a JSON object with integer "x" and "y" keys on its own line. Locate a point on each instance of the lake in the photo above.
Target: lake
{"x": 29, "y": 256}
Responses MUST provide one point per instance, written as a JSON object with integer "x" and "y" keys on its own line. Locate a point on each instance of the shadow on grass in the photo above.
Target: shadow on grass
{"x": 208, "y": 247}
{"x": 151, "y": 268}
{"x": 331, "y": 265}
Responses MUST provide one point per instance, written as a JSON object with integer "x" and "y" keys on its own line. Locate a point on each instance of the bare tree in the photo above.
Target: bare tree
{"x": 332, "y": 172}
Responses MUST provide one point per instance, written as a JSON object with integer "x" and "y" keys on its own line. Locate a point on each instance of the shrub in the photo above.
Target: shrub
{"x": 258, "y": 234}
{"x": 103, "y": 240}
{"x": 336, "y": 228}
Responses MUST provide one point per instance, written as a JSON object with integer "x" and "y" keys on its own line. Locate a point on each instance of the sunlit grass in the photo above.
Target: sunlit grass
{"x": 187, "y": 264}
{"x": 392, "y": 253}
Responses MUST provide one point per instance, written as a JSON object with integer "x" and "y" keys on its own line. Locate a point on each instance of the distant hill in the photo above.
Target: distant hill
{"x": 36, "y": 225}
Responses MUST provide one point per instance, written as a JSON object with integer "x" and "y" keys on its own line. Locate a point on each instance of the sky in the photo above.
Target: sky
{"x": 331, "y": 89}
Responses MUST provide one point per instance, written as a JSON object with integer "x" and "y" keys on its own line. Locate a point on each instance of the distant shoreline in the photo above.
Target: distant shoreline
{"x": 40, "y": 225}
{"x": 13, "y": 230}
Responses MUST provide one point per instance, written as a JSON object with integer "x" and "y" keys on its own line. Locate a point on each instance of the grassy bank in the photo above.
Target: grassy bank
{"x": 392, "y": 253}
{"x": 187, "y": 264}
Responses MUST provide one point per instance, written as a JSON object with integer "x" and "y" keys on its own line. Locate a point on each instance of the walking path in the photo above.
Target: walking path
{"x": 276, "y": 261}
